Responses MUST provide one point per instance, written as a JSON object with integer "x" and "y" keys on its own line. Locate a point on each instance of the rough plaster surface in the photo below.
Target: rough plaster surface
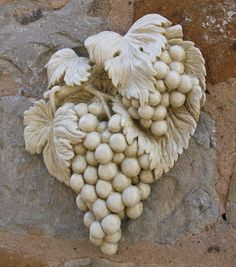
{"x": 181, "y": 204}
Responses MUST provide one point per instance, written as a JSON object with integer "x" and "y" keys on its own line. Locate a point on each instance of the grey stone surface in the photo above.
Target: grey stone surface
{"x": 30, "y": 34}
{"x": 182, "y": 201}
{"x": 231, "y": 204}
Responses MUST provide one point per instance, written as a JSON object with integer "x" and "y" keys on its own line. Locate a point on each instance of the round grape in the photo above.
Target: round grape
{"x": 114, "y": 203}
{"x": 88, "y": 123}
{"x": 131, "y": 196}
{"x": 160, "y": 113}
{"x": 135, "y": 211}
{"x": 159, "y": 128}
{"x": 76, "y": 182}
{"x": 103, "y": 188}
{"x": 79, "y": 164}
{"x": 177, "y": 52}
{"x": 103, "y": 154}
{"x": 177, "y": 99}
{"x": 111, "y": 224}
{"x": 107, "y": 171}
{"x": 99, "y": 209}
{"x": 118, "y": 142}
{"x": 91, "y": 175}
{"x": 88, "y": 193}
{"x": 120, "y": 182}
{"x": 172, "y": 80}
{"x": 92, "y": 140}
{"x": 130, "y": 167}
{"x": 114, "y": 124}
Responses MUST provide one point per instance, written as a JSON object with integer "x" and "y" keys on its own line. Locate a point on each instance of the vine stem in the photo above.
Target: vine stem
{"x": 66, "y": 91}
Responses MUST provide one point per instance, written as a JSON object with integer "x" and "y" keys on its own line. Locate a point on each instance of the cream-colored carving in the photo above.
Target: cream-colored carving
{"x": 114, "y": 123}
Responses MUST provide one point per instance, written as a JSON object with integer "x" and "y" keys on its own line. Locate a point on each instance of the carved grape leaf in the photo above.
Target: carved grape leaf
{"x": 66, "y": 66}
{"x": 59, "y": 152}
{"x": 129, "y": 59}
{"x": 38, "y": 126}
{"x": 54, "y": 134}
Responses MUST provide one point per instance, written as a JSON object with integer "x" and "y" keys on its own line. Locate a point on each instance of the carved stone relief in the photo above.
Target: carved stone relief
{"x": 113, "y": 123}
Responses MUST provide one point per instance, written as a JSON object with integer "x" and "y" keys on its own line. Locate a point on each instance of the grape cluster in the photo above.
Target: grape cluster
{"x": 109, "y": 176}
{"x": 172, "y": 88}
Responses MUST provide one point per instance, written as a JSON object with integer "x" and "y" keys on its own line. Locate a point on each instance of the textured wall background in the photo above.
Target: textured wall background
{"x": 181, "y": 224}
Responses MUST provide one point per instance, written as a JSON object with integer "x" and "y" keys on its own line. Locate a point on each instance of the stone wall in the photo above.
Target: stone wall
{"x": 182, "y": 222}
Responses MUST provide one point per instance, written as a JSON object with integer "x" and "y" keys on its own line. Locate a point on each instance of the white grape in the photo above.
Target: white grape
{"x": 118, "y": 157}
{"x": 92, "y": 140}
{"x": 172, "y": 80}
{"x": 146, "y": 176}
{"x": 177, "y": 99}
{"x": 118, "y": 142}
{"x": 165, "y": 100}
{"x": 88, "y": 193}
{"x": 160, "y": 113}
{"x": 81, "y": 109}
{"x": 88, "y": 123}
{"x": 79, "y": 164}
{"x": 145, "y": 190}
{"x": 186, "y": 84}
{"x": 154, "y": 98}
{"x": 130, "y": 167}
{"x": 109, "y": 248}
{"x": 96, "y": 108}
{"x": 97, "y": 242}
{"x": 160, "y": 86}
{"x": 76, "y": 182}
{"x": 120, "y": 182}
{"x": 99, "y": 209}
{"x": 177, "y": 52}
{"x": 91, "y": 175}
{"x": 89, "y": 218}
{"x": 107, "y": 171}
{"x": 135, "y": 211}
{"x": 146, "y": 123}
{"x": 90, "y": 158}
{"x": 96, "y": 230}
{"x": 80, "y": 149}
{"x": 161, "y": 68}
{"x": 113, "y": 238}
{"x": 146, "y": 112}
{"x": 103, "y": 188}
{"x": 131, "y": 195}
{"x": 144, "y": 161}
{"x": 114, "y": 203}
{"x": 114, "y": 124}
{"x": 135, "y": 103}
{"x": 103, "y": 154}
{"x": 81, "y": 204}
{"x": 111, "y": 224}
{"x": 177, "y": 66}
{"x": 159, "y": 128}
